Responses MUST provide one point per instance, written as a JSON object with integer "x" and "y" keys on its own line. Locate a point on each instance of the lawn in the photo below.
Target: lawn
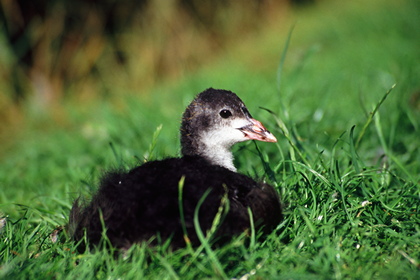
{"x": 342, "y": 96}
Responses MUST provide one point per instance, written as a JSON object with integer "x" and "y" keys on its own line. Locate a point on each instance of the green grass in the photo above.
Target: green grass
{"x": 349, "y": 178}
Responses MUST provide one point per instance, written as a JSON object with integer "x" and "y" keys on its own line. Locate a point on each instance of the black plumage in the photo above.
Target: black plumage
{"x": 144, "y": 202}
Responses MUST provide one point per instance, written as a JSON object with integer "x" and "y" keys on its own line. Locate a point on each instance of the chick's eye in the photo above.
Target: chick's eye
{"x": 225, "y": 113}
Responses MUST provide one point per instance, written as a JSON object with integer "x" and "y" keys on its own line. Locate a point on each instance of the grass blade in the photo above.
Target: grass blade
{"x": 205, "y": 240}
{"x": 283, "y": 57}
{"x": 371, "y": 115}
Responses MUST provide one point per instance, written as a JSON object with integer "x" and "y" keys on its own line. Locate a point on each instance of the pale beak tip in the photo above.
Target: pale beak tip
{"x": 270, "y": 137}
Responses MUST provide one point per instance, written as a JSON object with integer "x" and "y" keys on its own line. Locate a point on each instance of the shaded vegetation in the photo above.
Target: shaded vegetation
{"x": 56, "y": 47}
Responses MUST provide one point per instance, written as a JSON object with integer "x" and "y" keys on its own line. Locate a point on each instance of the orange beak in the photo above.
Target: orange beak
{"x": 257, "y": 131}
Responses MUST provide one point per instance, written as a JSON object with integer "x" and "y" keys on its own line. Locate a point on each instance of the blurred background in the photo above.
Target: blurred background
{"x": 54, "y": 52}
{"x": 51, "y": 47}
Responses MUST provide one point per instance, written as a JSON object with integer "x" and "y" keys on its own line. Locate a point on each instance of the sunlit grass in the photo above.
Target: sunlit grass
{"x": 349, "y": 178}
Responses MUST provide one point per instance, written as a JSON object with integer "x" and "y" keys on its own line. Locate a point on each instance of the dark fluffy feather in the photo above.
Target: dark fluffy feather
{"x": 135, "y": 207}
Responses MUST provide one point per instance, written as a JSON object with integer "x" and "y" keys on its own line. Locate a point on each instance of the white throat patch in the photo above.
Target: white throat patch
{"x": 217, "y": 143}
